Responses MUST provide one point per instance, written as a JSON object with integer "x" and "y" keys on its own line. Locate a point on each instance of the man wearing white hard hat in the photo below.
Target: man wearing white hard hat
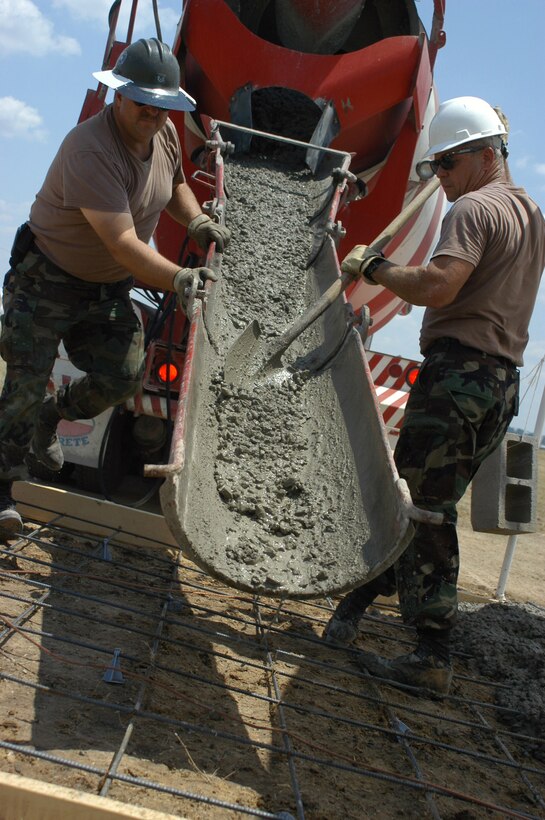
{"x": 479, "y": 289}
{"x": 74, "y": 262}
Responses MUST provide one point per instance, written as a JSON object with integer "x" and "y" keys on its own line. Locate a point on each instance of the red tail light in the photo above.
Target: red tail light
{"x": 164, "y": 367}
{"x": 168, "y": 373}
{"x": 412, "y": 375}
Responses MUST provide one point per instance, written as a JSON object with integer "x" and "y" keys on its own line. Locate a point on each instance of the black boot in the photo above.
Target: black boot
{"x": 45, "y": 443}
{"x": 427, "y": 670}
{"x": 342, "y": 627}
{"x": 10, "y": 520}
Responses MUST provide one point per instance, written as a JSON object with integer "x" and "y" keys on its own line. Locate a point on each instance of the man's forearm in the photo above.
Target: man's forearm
{"x": 413, "y": 284}
{"x": 145, "y": 264}
{"x": 183, "y": 206}
{"x": 435, "y": 285}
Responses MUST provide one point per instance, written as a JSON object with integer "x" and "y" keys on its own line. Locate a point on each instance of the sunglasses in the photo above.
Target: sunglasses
{"x": 429, "y": 167}
{"x": 149, "y": 105}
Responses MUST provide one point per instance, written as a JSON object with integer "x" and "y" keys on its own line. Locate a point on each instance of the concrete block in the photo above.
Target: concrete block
{"x": 504, "y": 490}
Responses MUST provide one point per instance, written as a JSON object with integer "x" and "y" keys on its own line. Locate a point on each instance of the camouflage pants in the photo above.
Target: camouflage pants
{"x": 458, "y": 412}
{"x": 101, "y": 334}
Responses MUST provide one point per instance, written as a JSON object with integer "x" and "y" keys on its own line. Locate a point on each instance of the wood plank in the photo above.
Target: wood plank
{"x": 87, "y": 514}
{"x": 24, "y": 798}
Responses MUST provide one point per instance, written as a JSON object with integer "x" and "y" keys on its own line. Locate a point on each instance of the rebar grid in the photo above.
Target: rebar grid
{"x": 228, "y": 705}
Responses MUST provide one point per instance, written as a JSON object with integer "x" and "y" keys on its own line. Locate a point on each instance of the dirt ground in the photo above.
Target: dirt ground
{"x": 232, "y": 706}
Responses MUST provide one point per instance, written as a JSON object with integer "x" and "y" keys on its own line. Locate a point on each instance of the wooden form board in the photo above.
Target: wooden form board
{"x": 26, "y": 799}
{"x": 86, "y": 514}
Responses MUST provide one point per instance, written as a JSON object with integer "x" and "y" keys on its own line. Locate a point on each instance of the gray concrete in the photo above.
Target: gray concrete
{"x": 289, "y": 487}
{"x": 504, "y": 490}
{"x": 505, "y": 643}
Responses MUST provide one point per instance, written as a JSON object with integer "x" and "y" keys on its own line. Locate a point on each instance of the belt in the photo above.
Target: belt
{"x": 94, "y": 291}
{"x": 449, "y": 343}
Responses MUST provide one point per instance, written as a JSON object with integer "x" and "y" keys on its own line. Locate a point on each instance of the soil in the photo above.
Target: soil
{"x": 208, "y": 689}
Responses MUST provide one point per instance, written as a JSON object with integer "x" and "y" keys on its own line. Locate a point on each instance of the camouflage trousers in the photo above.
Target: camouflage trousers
{"x": 458, "y": 412}
{"x": 44, "y": 306}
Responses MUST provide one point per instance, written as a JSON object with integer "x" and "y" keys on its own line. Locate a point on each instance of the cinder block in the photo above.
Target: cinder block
{"x": 504, "y": 490}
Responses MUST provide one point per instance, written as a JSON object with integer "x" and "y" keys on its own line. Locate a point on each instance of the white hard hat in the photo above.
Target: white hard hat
{"x": 462, "y": 120}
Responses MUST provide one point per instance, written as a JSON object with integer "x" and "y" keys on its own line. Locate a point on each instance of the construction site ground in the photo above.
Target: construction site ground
{"x": 129, "y": 674}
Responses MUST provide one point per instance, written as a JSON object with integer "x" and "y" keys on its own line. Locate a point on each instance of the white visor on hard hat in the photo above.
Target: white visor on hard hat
{"x": 178, "y": 100}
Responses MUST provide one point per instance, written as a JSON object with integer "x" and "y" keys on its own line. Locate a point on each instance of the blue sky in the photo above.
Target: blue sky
{"x": 49, "y": 49}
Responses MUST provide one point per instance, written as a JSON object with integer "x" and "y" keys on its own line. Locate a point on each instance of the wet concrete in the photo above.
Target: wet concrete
{"x": 293, "y": 482}
{"x": 269, "y": 208}
{"x": 507, "y": 644}
{"x": 288, "y": 487}
{"x": 286, "y": 481}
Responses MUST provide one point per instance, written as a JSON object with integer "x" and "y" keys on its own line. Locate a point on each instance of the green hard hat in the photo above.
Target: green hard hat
{"x": 147, "y": 72}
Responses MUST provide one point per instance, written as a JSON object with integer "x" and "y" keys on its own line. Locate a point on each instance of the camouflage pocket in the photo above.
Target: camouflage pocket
{"x": 426, "y": 457}
{"x": 473, "y": 405}
{"x": 17, "y": 335}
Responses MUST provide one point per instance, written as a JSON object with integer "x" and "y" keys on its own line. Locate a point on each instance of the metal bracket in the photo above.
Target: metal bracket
{"x": 113, "y": 674}
{"x": 106, "y": 554}
{"x": 363, "y": 322}
{"x": 335, "y": 230}
{"x": 204, "y": 178}
{"x": 225, "y": 148}
{"x": 341, "y": 174}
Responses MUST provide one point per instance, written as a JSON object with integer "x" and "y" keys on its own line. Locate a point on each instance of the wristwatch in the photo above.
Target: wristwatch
{"x": 371, "y": 268}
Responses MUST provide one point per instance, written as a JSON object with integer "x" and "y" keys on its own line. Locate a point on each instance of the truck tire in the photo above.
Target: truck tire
{"x": 108, "y": 475}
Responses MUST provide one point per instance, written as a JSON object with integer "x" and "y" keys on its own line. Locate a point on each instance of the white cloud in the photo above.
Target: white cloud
{"x": 97, "y": 10}
{"x": 17, "y": 119}
{"x": 26, "y": 30}
{"x": 144, "y": 24}
{"x": 540, "y": 168}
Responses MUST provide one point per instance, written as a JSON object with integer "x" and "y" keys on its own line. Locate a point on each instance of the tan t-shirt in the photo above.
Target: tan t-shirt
{"x": 501, "y": 231}
{"x": 93, "y": 169}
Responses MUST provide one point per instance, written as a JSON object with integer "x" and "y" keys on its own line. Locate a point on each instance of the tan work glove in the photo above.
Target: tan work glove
{"x": 204, "y": 231}
{"x": 187, "y": 280}
{"x": 361, "y": 262}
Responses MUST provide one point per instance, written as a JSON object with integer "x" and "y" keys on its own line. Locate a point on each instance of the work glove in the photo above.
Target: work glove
{"x": 204, "y": 231}
{"x": 187, "y": 281}
{"x": 361, "y": 262}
